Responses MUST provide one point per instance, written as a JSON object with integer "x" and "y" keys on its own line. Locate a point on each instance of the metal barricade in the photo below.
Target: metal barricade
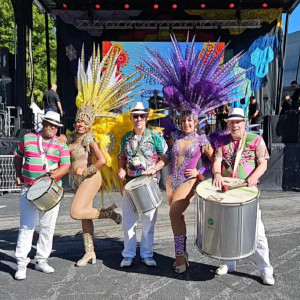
{"x": 7, "y": 174}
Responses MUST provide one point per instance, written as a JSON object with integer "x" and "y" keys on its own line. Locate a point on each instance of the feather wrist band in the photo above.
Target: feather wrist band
{"x": 89, "y": 171}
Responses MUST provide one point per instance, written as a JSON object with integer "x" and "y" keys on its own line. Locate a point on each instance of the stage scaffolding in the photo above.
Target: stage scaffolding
{"x": 168, "y": 24}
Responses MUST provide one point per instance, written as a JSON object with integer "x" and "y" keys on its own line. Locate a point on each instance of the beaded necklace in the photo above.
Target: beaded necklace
{"x": 189, "y": 136}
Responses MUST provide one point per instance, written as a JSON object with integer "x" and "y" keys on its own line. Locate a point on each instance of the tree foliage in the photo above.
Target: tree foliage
{"x": 7, "y": 24}
{"x": 38, "y": 46}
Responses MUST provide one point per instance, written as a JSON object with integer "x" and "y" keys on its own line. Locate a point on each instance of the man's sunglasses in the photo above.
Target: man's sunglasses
{"x": 141, "y": 116}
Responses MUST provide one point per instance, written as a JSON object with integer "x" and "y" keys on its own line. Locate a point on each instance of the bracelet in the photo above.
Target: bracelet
{"x": 217, "y": 173}
{"x": 155, "y": 168}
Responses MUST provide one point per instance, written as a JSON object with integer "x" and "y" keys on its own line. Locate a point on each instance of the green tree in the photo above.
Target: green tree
{"x": 7, "y": 23}
{"x": 38, "y": 45}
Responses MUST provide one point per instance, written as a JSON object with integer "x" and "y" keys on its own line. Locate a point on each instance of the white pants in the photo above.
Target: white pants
{"x": 261, "y": 251}
{"x": 130, "y": 219}
{"x": 29, "y": 215}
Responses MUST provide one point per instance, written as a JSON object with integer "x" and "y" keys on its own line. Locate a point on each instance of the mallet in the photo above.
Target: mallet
{"x": 226, "y": 188}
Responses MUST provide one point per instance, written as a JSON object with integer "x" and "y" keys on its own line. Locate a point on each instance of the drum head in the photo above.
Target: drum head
{"x": 39, "y": 188}
{"x": 206, "y": 190}
{"x": 137, "y": 182}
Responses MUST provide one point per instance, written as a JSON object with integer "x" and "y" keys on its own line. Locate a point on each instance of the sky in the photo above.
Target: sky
{"x": 294, "y": 24}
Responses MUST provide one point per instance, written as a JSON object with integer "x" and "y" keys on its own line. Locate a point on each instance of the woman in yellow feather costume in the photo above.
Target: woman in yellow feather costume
{"x": 90, "y": 144}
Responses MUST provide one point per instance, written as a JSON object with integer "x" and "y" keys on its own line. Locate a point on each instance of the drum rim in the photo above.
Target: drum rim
{"x": 231, "y": 258}
{"x": 132, "y": 180}
{"x": 230, "y": 203}
{"x": 227, "y": 203}
{"x": 32, "y": 200}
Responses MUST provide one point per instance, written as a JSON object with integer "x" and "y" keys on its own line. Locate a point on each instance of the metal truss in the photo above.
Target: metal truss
{"x": 168, "y": 24}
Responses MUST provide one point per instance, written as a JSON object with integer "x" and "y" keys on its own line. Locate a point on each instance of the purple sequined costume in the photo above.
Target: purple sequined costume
{"x": 191, "y": 155}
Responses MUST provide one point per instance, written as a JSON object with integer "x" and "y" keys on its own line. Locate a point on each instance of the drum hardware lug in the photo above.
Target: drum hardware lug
{"x": 55, "y": 188}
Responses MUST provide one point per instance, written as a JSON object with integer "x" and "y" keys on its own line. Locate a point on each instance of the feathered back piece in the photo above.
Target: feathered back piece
{"x": 194, "y": 81}
{"x": 99, "y": 89}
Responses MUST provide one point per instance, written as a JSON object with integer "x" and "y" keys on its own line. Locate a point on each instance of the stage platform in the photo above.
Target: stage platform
{"x": 283, "y": 168}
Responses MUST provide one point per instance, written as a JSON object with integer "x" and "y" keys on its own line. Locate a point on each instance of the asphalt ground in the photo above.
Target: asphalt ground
{"x": 106, "y": 280}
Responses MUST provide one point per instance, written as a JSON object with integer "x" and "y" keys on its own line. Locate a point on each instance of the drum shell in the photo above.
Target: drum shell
{"x": 227, "y": 231}
{"x": 145, "y": 197}
{"x": 50, "y": 198}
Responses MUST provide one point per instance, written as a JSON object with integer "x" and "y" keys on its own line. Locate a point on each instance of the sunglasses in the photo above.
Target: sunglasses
{"x": 137, "y": 116}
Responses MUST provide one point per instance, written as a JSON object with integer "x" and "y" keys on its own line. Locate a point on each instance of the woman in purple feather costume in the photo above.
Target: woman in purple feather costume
{"x": 182, "y": 181}
{"x": 194, "y": 83}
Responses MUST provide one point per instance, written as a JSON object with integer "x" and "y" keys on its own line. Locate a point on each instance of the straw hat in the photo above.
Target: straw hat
{"x": 53, "y": 118}
{"x": 236, "y": 113}
{"x": 138, "y": 108}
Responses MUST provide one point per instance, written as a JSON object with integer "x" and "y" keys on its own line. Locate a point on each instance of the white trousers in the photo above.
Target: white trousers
{"x": 29, "y": 215}
{"x": 130, "y": 219}
{"x": 261, "y": 251}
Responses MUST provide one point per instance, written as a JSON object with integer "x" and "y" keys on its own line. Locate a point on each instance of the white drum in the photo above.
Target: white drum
{"x": 143, "y": 193}
{"x": 226, "y": 222}
{"x": 45, "y": 193}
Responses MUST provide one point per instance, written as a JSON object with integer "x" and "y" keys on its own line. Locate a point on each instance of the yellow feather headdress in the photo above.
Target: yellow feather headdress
{"x": 100, "y": 90}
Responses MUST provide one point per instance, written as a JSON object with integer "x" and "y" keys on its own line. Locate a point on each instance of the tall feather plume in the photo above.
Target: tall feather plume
{"x": 195, "y": 81}
{"x": 100, "y": 88}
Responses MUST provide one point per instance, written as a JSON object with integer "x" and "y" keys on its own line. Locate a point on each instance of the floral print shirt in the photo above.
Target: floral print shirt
{"x": 148, "y": 149}
{"x": 254, "y": 150}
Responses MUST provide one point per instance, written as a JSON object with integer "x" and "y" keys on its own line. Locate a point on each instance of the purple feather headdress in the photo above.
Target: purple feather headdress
{"x": 192, "y": 83}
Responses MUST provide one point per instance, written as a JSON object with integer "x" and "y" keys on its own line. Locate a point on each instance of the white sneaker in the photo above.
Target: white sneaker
{"x": 44, "y": 267}
{"x": 224, "y": 269}
{"x": 21, "y": 273}
{"x": 126, "y": 262}
{"x": 268, "y": 279}
{"x": 149, "y": 261}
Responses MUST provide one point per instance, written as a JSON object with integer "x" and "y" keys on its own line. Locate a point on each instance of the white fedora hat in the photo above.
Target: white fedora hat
{"x": 53, "y": 118}
{"x": 138, "y": 108}
{"x": 236, "y": 113}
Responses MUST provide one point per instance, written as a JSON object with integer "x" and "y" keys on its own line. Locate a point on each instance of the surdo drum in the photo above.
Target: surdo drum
{"x": 45, "y": 193}
{"x": 226, "y": 222}
{"x": 143, "y": 193}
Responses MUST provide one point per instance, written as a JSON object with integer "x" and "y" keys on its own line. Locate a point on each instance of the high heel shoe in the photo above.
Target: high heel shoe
{"x": 104, "y": 213}
{"x": 90, "y": 255}
{"x": 186, "y": 257}
{"x": 182, "y": 268}
{"x": 113, "y": 215}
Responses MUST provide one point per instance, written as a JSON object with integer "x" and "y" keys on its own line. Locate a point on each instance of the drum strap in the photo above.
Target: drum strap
{"x": 239, "y": 152}
{"x": 43, "y": 153}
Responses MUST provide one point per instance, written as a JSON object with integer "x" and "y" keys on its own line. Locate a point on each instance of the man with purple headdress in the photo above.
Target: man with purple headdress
{"x": 193, "y": 84}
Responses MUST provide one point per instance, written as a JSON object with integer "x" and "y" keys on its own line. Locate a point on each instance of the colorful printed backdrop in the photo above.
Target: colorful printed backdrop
{"x": 132, "y": 53}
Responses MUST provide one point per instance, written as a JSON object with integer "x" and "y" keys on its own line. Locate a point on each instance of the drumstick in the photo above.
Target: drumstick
{"x": 226, "y": 188}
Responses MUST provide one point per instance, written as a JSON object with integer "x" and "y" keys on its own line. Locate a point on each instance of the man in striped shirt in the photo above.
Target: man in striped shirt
{"x": 36, "y": 154}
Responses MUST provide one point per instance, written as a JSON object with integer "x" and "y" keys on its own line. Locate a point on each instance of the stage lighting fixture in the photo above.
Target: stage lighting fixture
{"x": 65, "y": 6}
{"x": 126, "y": 6}
{"x": 174, "y": 5}
{"x": 155, "y": 6}
{"x": 97, "y": 6}
{"x": 231, "y": 5}
{"x": 265, "y": 5}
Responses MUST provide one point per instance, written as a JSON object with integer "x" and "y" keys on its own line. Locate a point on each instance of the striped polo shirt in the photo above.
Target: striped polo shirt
{"x": 32, "y": 168}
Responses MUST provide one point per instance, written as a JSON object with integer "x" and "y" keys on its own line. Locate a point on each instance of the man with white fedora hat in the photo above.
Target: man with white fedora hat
{"x": 142, "y": 153}
{"x": 38, "y": 154}
{"x": 244, "y": 155}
